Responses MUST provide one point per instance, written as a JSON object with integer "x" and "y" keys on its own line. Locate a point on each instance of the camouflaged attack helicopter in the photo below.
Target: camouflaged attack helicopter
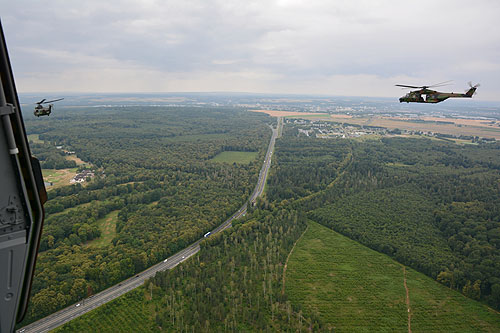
{"x": 41, "y": 110}
{"x": 426, "y": 95}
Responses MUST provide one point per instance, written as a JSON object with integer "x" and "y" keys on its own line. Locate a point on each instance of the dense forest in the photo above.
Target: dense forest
{"x": 157, "y": 186}
{"x": 432, "y": 205}
{"x": 50, "y": 157}
{"x": 233, "y": 284}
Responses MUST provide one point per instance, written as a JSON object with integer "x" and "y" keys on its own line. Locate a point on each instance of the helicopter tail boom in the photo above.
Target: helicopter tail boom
{"x": 470, "y": 92}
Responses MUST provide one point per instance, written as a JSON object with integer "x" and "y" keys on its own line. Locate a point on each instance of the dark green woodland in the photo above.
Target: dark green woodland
{"x": 154, "y": 170}
{"x": 434, "y": 206}
{"x": 431, "y": 205}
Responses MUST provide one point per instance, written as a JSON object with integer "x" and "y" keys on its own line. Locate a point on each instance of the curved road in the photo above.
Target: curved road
{"x": 63, "y": 316}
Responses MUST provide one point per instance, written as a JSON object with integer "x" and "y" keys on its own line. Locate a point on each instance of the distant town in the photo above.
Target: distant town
{"x": 328, "y": 129}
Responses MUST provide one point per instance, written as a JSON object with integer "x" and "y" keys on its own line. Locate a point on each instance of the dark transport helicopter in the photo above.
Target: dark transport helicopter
{"x": 41, "y": 110}
{"x": 433, "y": 96}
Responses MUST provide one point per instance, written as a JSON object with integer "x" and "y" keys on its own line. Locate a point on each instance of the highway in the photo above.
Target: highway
{"x": 63, "y": 316}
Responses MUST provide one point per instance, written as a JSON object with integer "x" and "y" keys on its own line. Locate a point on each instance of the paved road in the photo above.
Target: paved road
{"x": 63, "y": 316}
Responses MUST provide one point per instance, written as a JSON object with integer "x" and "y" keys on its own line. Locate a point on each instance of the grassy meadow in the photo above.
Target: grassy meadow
{"x": 107, "y": 225}
{"x": 59, "y": 177}
{"x": 34, "y": 138}
{"x": 353, "y": 288}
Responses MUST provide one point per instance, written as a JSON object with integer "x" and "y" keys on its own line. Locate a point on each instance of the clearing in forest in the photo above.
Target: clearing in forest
{"x": 243, "y": 157}
{"x": 34, "y": 138}
{"x": 107, "y": 225}
{"x": 77, "y": 160}
{"x": 59, "y": 177}
{"x": 354, "y": 288}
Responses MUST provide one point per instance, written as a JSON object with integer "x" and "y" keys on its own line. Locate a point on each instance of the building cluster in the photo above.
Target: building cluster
{"x": 82, "y": 176}
{"x": 325, "y": 129}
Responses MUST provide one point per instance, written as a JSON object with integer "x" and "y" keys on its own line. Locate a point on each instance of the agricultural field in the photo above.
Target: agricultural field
{"x": 353, "y": 288}
{"x": 277, "y": 113}
{"x": 243, "y": 157}
{"x": 443, "y": 125}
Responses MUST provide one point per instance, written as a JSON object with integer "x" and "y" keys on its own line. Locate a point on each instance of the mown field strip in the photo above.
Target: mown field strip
{"x": 353, "y": 288}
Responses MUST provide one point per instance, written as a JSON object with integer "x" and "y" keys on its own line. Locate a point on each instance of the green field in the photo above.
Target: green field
{"x": 243, "y": 157}
{"x": 107, "y": 225}
{"x": 34, "y": 138}
{"x": 124, "y": 314}
{"x": 59, "y": 177}
{"x": 353, "y": 288}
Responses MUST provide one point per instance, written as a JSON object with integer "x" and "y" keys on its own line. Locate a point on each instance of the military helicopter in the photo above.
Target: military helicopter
{"x": 41, "y": 110}
{"x": 433, "y": 96}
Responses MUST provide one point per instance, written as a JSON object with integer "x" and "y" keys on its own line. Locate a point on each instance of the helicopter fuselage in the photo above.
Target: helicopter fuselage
{"x": 432, "y": 96}
{"x": 42, "y": 111}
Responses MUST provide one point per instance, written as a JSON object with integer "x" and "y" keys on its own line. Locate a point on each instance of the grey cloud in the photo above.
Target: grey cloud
{"x": 283, "y": 42}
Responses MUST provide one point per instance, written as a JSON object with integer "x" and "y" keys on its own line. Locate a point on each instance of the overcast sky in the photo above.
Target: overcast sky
{"x": 333, "y": 47}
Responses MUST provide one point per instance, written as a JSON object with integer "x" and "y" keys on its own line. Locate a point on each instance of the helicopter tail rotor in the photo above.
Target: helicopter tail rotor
{"x": 472, "y": 91}
{"x": 473, "y": 86}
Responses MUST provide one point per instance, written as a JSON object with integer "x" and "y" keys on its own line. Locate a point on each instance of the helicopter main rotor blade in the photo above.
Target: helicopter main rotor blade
{"x": 41, "y": 102}
{"x": 445, "y": 83}
{"x": 54, "y": 100}
{"x": 405, "y": 86}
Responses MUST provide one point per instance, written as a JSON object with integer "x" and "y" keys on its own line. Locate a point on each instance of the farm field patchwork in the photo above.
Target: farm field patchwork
{"x": 452, "y": 126}
{"x": 444, "y": 125}
{"x": 353, "y": 288}
{"x": 278, "y": 113}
